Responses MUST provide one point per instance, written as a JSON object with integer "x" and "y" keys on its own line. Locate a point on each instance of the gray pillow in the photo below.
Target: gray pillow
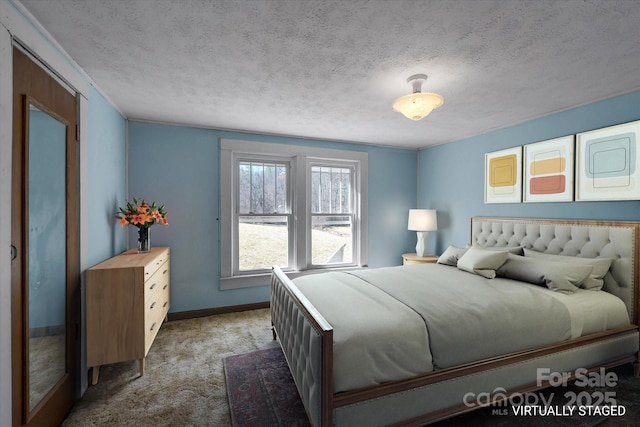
{"x": 558, "y": 276}
{"x": 516, "y": 250}
{"x": 451, "y": 255}
{"x": 482, "y": 262}
{"x": 600, "y": 266}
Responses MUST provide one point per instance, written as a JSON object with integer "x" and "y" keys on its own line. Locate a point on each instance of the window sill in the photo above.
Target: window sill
{"x": 262, "y": 279}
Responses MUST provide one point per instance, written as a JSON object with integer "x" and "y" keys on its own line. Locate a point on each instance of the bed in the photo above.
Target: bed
{"x": 394, "y": 354}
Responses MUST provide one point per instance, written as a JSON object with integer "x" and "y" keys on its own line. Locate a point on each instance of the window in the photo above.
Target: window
{"x": 332, "y": 215}
{"x": 263, "y": 218}
{"x": 300, "y": 208}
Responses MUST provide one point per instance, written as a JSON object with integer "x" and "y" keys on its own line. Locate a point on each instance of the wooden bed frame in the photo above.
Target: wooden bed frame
{"x": 307, "y": 338}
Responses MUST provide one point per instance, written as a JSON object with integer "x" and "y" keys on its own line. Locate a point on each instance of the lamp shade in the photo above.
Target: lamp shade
{"x": 422, "y": 220}
{"x": 417, "y": 106}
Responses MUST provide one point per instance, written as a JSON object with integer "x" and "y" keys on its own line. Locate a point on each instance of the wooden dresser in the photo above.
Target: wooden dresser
{"x": 127, "y": 301}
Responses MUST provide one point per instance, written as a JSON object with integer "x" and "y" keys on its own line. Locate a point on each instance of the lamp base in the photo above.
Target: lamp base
{"x": 421, "y": 246}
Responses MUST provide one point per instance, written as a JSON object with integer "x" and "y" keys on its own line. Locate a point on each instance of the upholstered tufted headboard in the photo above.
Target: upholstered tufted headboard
{"x": 589, "y": 239}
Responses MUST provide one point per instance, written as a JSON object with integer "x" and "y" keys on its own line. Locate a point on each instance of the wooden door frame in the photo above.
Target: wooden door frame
{"x": 18, "y": 26}
{"x": 47, "y": 95}
{"x": 6, "y": 144}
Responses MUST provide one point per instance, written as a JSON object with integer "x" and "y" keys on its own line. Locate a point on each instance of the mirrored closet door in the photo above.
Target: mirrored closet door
{"x": 45, "y": 273}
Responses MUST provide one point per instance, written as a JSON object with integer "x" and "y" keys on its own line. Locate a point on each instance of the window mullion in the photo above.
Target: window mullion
{"x": 301, "y": 201}
{"x": 330, "y": 190}
{"x": 264, "y": 195}
{"x": 275, "y": 187}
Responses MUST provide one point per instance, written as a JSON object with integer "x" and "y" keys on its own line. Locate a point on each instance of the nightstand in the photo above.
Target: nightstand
{"x": 415, "y": 259}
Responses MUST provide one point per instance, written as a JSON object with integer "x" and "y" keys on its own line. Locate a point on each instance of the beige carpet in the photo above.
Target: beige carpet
{"x": 46, "y": 365}
{"x": 184, "y": 381}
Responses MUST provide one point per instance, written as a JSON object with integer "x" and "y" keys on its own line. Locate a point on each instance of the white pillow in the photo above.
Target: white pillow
{"x": 483, "y": 262}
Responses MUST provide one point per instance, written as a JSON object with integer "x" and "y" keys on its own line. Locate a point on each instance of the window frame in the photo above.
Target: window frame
{"x": 355, "y": 211}
{"x": 301, "y": 159}
{"x": 236, "y": 214}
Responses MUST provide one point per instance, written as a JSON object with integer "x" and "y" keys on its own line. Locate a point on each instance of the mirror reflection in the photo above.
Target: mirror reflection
{"x": 47, "y": 252}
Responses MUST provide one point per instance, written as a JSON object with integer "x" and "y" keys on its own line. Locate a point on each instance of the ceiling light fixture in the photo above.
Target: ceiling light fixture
{"x": 417, "y": 105}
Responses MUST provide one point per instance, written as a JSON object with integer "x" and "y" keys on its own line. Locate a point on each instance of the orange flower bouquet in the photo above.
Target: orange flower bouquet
{"x": 142, "y": 215}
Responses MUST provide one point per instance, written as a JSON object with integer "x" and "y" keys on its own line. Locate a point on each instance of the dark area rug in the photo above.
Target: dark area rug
{"x": 262, "y": 394}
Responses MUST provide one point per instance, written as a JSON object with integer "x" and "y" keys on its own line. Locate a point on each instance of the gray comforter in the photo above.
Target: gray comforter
{"x": 398, "y": 322}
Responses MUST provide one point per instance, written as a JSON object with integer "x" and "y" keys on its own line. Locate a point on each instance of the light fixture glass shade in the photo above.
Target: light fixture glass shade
{"x": 422, "y": 220}
{"x": 417, "y": 105}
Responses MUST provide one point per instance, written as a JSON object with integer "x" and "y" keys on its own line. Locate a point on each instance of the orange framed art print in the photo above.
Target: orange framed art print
{"x": 548, "y": 170}
{"x": 503, "y": 176}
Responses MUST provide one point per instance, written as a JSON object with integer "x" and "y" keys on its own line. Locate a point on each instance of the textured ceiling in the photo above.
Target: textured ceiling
{"x": 331, "y": 69}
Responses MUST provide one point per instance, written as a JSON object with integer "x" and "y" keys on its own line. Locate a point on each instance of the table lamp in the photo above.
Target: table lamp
{"x": 422, "y": 221}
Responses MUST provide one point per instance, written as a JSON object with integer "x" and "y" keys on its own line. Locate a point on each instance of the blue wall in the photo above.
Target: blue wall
{"x": 451, "y": 176}
{"x": 106, "y": 179}
{"x": 179, "y": 167}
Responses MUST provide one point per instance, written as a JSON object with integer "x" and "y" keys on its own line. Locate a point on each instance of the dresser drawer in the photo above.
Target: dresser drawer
{"x": 156, "y": 300}
{"x": 152, "y": 267}
{"x": 159, "y": 280}
{"x": 155, "y": 312}
{"x": 156, "y": 304}
{"x": 164, "y": 295}
{"x": 151, "y": 332}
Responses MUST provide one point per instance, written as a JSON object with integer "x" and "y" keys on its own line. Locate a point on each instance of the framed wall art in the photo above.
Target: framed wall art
{"x": 548, "y": 170}
{"x": 503, "y": 176}
{"x": 607, "y": 162}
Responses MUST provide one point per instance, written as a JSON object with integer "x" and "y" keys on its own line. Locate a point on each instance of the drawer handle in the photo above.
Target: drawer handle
{"x": 165, "y": 272}
{"x": 152, "y": 326}
{"x": 165, "y": 304}
{"x": 152, "y": 286}
{"x": 152, "y": 306}
{"x": 165, "y": 286}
